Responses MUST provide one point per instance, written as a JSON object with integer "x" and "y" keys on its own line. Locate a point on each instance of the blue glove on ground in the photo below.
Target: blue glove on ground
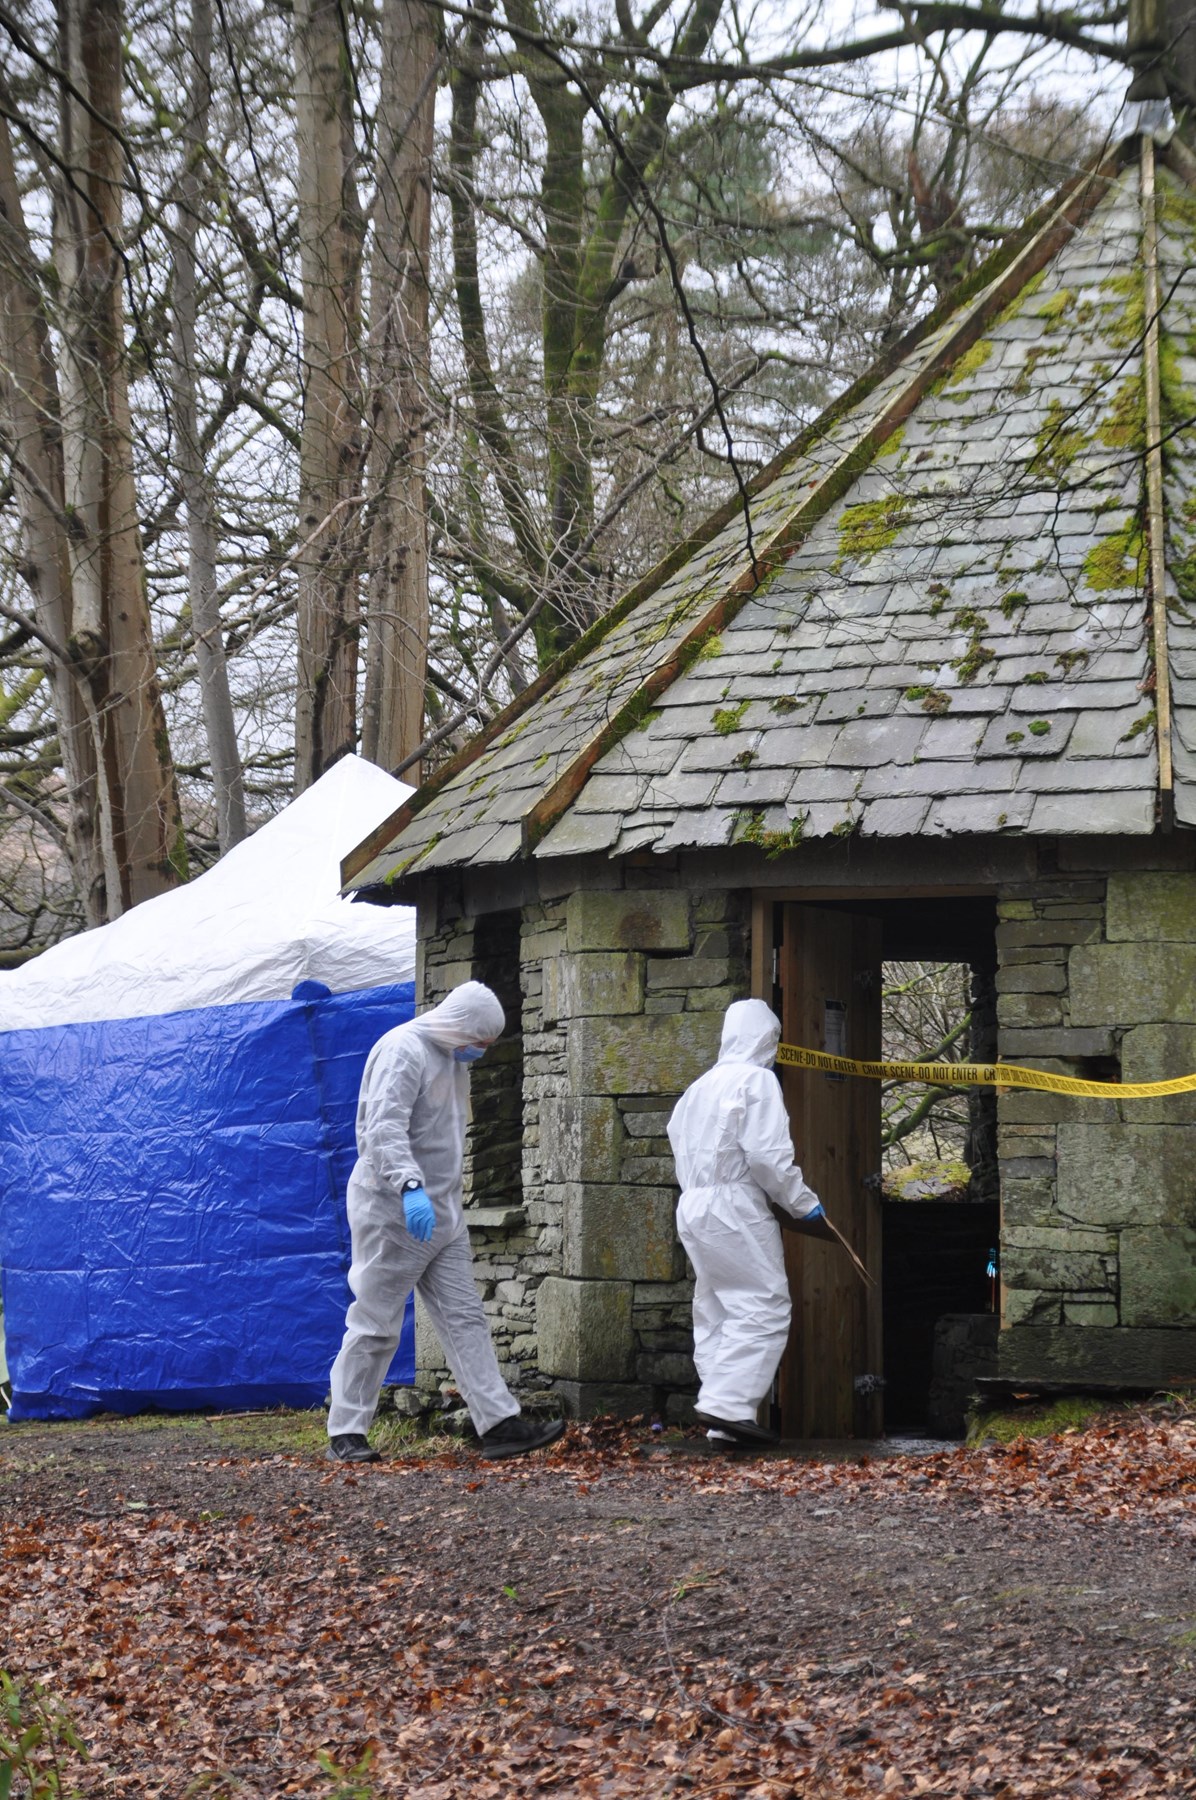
{"x": 418, "y": 1215}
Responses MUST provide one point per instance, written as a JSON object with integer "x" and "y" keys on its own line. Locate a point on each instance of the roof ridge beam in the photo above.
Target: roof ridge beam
{"x": 1156, "y": 529}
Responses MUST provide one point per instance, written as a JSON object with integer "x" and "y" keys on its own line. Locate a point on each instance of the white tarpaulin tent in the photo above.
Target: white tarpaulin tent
{"x": 268, "y": 915}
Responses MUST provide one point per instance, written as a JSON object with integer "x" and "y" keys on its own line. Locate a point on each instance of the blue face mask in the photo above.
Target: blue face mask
{"x": 468, "y": 1053}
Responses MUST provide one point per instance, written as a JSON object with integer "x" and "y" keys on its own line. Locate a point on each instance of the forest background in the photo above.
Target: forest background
{"x": 356, "y": 354}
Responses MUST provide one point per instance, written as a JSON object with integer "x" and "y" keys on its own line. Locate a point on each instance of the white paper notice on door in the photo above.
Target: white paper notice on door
{"x": 834, "y": 1031}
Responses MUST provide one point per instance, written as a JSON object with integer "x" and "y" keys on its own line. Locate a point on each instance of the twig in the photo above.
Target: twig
{"x": 583, "y": 549}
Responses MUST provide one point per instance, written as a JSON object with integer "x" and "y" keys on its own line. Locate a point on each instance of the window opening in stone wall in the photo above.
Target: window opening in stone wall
{"x": 940, "y": 1196}
{"x": 494, "y": 1142}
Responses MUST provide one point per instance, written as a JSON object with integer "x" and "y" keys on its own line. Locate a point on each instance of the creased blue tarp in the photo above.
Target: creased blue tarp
{"x": 172, "y": 1204}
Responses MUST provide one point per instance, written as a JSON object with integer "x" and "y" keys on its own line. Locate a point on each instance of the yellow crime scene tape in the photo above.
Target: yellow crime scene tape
{"x": 984, "y": 1075}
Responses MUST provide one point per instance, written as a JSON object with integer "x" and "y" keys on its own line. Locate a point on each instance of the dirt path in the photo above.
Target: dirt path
{"x": 596, "y": 1621}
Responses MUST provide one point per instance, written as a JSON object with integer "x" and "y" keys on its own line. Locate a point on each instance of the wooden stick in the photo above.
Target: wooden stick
{"x": 809, "y": 1228}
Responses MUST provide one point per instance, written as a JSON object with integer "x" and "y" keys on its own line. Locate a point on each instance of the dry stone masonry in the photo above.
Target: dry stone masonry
{"x": 1097, "y": 977}
{"x": 622, "y": 996}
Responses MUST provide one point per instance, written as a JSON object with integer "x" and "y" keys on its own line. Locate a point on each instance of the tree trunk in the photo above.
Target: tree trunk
{"x": 1178, "y": 30}
{"x": 111, "y": 635}
{"x": 397, "y": 643}
{"x": 30, "y": 413}
{"x": 227, "y": 779}
{"x": 330, "y": 457}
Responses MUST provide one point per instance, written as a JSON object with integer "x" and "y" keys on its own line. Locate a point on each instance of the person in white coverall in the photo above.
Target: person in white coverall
{"x": 408, "y": 1228}
{"x": 734, "y": 1154}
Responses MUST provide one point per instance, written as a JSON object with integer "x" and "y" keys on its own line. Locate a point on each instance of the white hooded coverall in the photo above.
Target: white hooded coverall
{"x": 411, "y": 1117}
{"x": 731, "y": 1143}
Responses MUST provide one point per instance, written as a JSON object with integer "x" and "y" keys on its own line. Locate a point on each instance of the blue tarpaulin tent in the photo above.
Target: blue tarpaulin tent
{"x": 183, "y": 1239}
{"x": 172, "y": 1171}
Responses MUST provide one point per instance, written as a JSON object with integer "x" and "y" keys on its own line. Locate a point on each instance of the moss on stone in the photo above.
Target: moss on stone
{"x": 970, "y": 363}
{"x": 786, "y": 704}
{"x": 977, "y": 654}
{"x": 1013, "y": 602}
{"x": 1127, "y": 305}
{"x": 1147, "y": 722}
{"x": 1067, "y": 660}
{"x": 935, "y": 701}
{"x": 1124, "y": 425}
{"x": 1056, "y": 444}
{"x": 750, "y": 828}
{"x": 870, "y": 527}
{"x": 1039, "y": 727}
{"x": 725, "y": 719}
{"x": 1034, "y": 355}
{"x": 1117, "y": 561}
{"x": 516, "y": 732}
{"x": 974, "y": 658}
{"x": 400, "y": 869}
{"x": 1178, "y": 403}
{"x": 1056, "y": 307}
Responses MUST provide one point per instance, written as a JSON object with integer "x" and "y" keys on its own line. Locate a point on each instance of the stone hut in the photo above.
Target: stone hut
{"x": 938, "y": 700}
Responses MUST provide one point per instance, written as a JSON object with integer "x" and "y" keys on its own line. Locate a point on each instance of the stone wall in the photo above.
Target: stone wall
{"x": 964, "y": 1353}
{"x": 512, "y": 1250}
{"x": 621, "y": 997}
{"x": 632, "y": 988}
{"x": 1098, "y": 978}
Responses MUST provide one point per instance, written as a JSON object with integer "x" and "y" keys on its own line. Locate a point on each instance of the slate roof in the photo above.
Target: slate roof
{"x": 944, "y": 622}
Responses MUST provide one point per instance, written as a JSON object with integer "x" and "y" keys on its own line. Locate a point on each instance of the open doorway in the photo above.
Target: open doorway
{"x": 898, "y": 978}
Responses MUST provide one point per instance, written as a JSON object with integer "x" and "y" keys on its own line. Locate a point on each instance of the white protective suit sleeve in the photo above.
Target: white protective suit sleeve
{"x": 768, "y": 1147}
{"x": 384, "y": 1114}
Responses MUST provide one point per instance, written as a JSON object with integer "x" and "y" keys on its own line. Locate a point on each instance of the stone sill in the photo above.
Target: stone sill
{"x": 494, "y": 1218}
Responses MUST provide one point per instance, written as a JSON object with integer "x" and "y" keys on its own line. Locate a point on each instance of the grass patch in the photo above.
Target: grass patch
{"x": 281, "y": 1431}
{"x": 1042, "y": 1419}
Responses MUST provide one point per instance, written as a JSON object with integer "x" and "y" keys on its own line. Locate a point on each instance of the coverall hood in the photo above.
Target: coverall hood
{"x": 751, "y": 1033}
{"x": 471, "y": 1014}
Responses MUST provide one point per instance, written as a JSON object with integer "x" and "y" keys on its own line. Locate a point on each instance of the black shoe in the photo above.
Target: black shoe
{"x": 744, "y": 1431}
{"x": 351, "y": 1447}
{"x": 516, "y": 1436}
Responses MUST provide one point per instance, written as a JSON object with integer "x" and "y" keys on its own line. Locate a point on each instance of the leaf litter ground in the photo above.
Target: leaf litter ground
{"x": 216, "y": 1607}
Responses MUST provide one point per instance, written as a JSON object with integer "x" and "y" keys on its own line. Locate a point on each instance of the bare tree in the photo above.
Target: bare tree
{"x": 212, "y": 670}
{"x": 80, "y": 507}
{"x": 331, "y": 455}
{"x": 397, "y": 454}
{"x": 33, "y": 440}
{"x": 400, "y": 384}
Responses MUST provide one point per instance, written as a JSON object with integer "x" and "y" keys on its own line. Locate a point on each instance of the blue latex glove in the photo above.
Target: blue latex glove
{"x": 418, "y": 1215}
{"x": 818, "y": 1212}
{"x": 468, "y": 1053}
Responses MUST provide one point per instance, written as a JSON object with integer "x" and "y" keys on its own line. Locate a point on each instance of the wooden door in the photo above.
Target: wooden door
{"x": 830, "y": 979}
